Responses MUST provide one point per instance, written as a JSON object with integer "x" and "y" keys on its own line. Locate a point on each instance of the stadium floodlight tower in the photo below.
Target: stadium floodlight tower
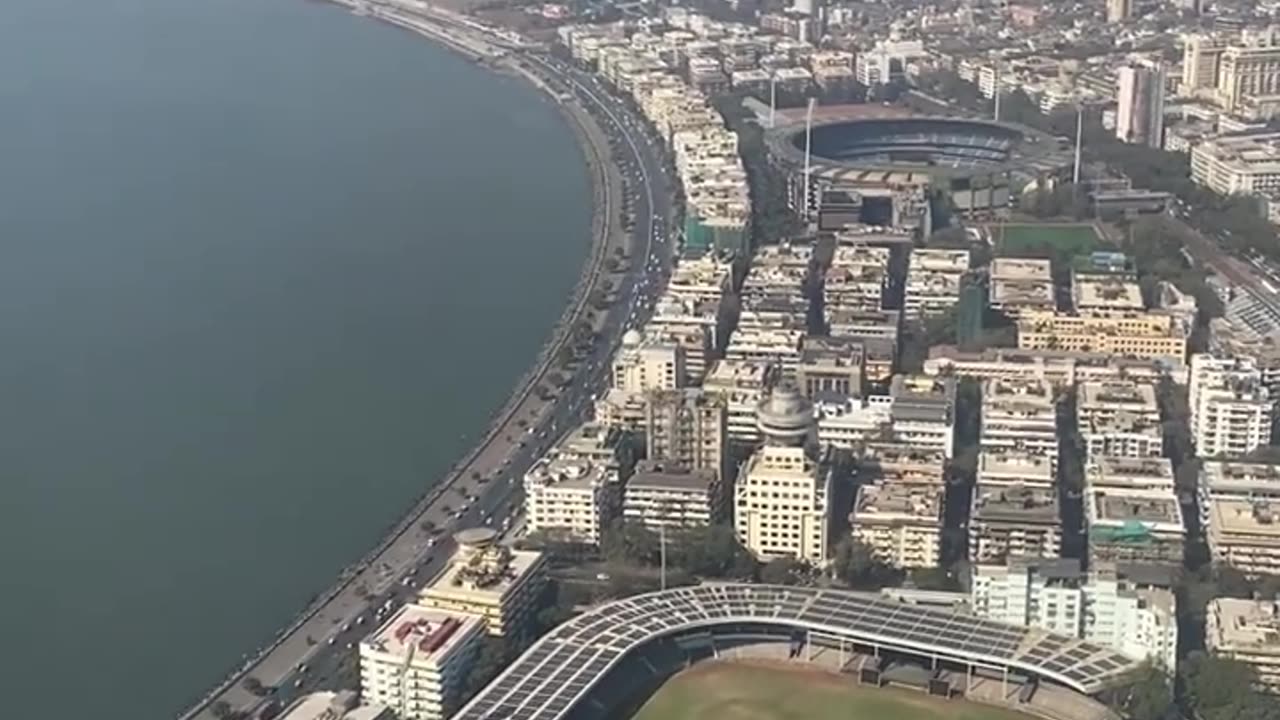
{"x": 808, "y": 157}
{"x": 1075, "y": 175}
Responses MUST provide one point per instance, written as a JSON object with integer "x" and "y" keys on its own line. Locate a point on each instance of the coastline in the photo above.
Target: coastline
{"x": 602, "y": 226}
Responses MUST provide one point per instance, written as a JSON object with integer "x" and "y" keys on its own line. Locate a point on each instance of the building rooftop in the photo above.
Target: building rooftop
{"x": 1107, "y": 292}
{"x": 566, "y": 472}
{"x": 490, "y": 569}
{"x": 1110, "y": 394}
{"x": 651, "y": 475}
{"x": 1017, "y": 389}
{"x": 1009, "y": 268}
{"x": 1243, "y": 626}
{"x": 421, "y": 632}
{"x": 327, "y": 705}
{"x": 1258, "y": 520}
{"x": 1029, "y": 468}
{"x": 1156, "y": 508}
{"x": 1015, "y": 503}
{"x": 1127, "y": 472}
{"x": 897, "y": 503}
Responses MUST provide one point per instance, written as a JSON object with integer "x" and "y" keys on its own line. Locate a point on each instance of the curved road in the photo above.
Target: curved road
{"x": 309, "y": 655}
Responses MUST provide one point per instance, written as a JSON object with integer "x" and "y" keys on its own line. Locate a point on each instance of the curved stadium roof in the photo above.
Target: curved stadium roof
{"x": 557, "y": 671}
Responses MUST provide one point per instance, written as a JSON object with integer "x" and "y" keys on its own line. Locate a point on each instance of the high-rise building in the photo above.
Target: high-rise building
{"x": 1119, "y": 10}
{"x": 1230, "y": 408}
{"x": 417, "y": 662}
{"x": 1140, "y": 116}
{"x": 783, "y": 490}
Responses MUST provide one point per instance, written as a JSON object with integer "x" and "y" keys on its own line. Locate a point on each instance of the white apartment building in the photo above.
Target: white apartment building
{"x": 567, "y": 497}
{"x": 1116, "y": 607}
{"x": 782, "y": 509}
{"x": 1247, "y": 631}
{"x": 659, "y": 496}
{"x": 1230, "y": 408}
{"x": 417, "y": 662}
{"x": 1108, "y": 291}
{"x": 1007, "y": 521}
{"x": 933, "y": 281}
{"x": 642, "y": 364}
{"x": 742, "y": 384}
{"x": 900, "y": 522}
{"x": 1019, "y": 415}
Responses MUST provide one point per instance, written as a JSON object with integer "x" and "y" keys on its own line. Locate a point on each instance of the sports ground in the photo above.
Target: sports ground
{"x": 733, "y": 691}
{"x": 1069, "y": 239}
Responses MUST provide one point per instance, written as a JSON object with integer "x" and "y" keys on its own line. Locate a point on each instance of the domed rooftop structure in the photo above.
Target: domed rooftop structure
{"x": 785, "y": 417}
{"x": 632, "y": 338}
{"x": 476, "y": 537}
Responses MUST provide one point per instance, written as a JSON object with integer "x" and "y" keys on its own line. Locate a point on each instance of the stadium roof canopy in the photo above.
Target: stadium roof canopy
{"x": 561, "y": 667}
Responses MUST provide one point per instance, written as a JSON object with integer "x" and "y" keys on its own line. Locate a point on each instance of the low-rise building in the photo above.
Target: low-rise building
{"x": 1124, "y": 333}
{"x": 1020, "y": 284}
{"x": 1105, "y": 292}
{"x": 1247, "y": 631}
{"x": 1134, "y": 526}
{"x": 490, "y": 580}
{"x": 567, "y": 497}
{"x": 1061, "y": 368}
{"x": 901, "y": 523}
{"x": 417, "y": 662}
{"x": 1013, "y": 521}
{"x": 777, "y": 347}
{"x": 642, "y": 364}
{"x": 662, "y": 496}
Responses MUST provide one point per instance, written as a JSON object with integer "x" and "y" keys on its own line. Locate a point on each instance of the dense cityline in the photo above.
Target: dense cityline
{"x": 1057, "y": 434}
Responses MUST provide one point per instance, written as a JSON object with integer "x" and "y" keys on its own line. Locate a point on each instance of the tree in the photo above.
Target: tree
{"x": 1149, "y": 696}
{"x": 221, "y": 709}
{"x": 856, "y": 565}
{"x": 1214, "y": 685}
{"x": 709, "y": 551}
{"x": 253, "y": 685}
{"x": 624, "y": 541}
{"x": 784, "y": 571}
{"x": 493, "y": 656}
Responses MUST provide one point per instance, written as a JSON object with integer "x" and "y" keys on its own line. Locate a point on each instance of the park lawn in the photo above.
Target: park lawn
{"x": 734, "y": 691}
{"x": 1071, "y": 239}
